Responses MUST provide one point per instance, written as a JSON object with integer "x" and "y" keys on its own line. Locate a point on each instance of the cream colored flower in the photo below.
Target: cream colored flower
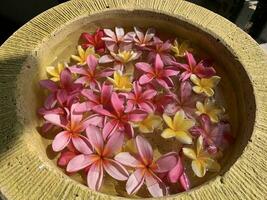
{"x": 205, "y": 85}
{"x": 121, "y": 82}
{"x": 83, "y": 54}
{"x": 125, "y": 56}
{"x": 54, "y": 71}
{"x": 209, "y": 108}
{"x": 180, "y": 49}
{"x": 201, "y": 160}
{"x": 150, "y": 123}
{"x": 178, "y": 127}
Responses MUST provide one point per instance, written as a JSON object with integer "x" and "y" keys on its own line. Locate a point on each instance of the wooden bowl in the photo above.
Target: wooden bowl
{"x": 26, "y": 165}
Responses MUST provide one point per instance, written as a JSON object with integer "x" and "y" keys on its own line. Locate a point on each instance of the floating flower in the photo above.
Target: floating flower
{"x": 202, "y": 161}
{"x": 146, "y": 169}
{"x": 215, "y": 136}
{"x": 158, "y": 72}
{"x": 141, "y": 39}
{"x": 95, "y": 40}
{"x": 180, "y": 49}
{"x": 150, "y": 123}
{"x": 83, "y": 54}
{"x": 73, "y": 126}
{"x": 65, "y": 91}
{"x": 54, "y": 71}
{"x": 89, "y": 73}
{"x": 100, "y": 158}
{"x": 163, "y": 49}
{"x": 118, "y": 39}
{"x": 184, "y": 101}
{"x": 205, "y": 85}
{"x": 178, "y": 127}
{"x": 192, "y": 67}
{"x": 93, "y": 99}
{"x": 119, "y": 119}
{"x": 140, "y": 99}
{"x": 209, "y": 108}
{"x": 121, "y": 82}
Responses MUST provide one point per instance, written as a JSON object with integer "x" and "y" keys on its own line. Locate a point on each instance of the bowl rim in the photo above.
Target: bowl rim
{"x": 223, "y": 186}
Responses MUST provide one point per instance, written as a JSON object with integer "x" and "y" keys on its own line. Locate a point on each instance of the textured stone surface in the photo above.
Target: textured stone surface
{"x": 25, "y": 170}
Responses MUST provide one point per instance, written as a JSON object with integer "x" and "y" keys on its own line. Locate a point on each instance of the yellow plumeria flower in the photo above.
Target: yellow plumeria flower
{"x": 180, "y": 49}
{"x": 121, "y": 82}
{"x": 178, "y": 127}
{"x": 125, "y": 56}
{"x": 209, "y": 108}
{"x": 201, "y": 160}
{"x": 83, "y": 54}
{"x": 205, "y": 85}
{"x": 150, "y": 123}
{"x": 54, "y": 71}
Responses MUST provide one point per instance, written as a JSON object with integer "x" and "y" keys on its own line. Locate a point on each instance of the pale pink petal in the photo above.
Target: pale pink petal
{"x": 144, "y": 149}
{"x": 113, "y": 144}
{"x": 95, "y": 120}
{"x": 184, "y": 181}
{"x": 100, "y": 110}
{"x": 106, "y": 59}
{"x": 84, "y": 107}
{"x": 145, "y": 67}
{"x": 135, "y": 181}
{"x": 162, "y": 83}
{"x": 190, "y": 59}
{"x": 119, "y": 32}
{"x": 65, "y": 157}
{"x": 126, "y": 46}
{"x": 81, "y": 145}
{"x": 75, "y": 118}
{"x": 111, "y": 46}
{"x": 170, "y": 72}
{"x": 106, "y": 72}
{"x": 55, "y": 119}
{"x": 92, "y": 63}
{"x": 115, "y": 169}
{"x": 128, "y": 38}
{"x": 109, "y": 33}
{"x": 146, "y": 107}
{"x": 146, "y": 78}
{"x": 127, "y": 159}
{"x": 80, "y": 162}
{"x": 137, "y": 115}
{"x": 95, "y": 138}
{"x": 150, "y": 33}
{"x": 167, "y": 59}
{"x": 89, "y": 94}
{"x": 109, "y": 128}
{"x": 83, "y": 80}
{"x": 61, "y": 140}
{"x": 129, "y": 106}
{"x": 95, "y": 176}
{"x": 185, "y": 91}
{"x": 117, "y": 103}
{"x": 149, "y": 94}
{"x": 166, "y": 162}
{"x": 78, "y": 70}
{"x": 155, "y": 186}
{"x": 185, "y": 75}
{"x": 137, "y": 88}
{"x": 139, "y": 33}
{"x": 48, "y": 84}
{"x": 176, "y": 172}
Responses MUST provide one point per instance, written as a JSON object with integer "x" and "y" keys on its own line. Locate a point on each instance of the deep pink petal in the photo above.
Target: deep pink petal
{"x": 65, "y": 78}
{"x": 162, "y": 83}
{"x": 95, "y": 137}
{"x": 109, "y": 128}
{"x": 81, "y": 145}
{"x": 146, "y": 107}
{"x": 137, "y": 88}
{"x": 170, "y": 72}
{"x": 106, "y": 92}
{"x": 55, "y": 119}
{"x": 129, "y": 106}
{"x": 144, "y": 149}
{"x": 185, "y": 91}
{"x": 77, "y": 70}
{"x": 166, "y": 162}
{"x": 184, "y": 181}
{"x": 61, "y": 141}
{"x": 117, "y": 103}
{"x": 89, "y": 94}
{"x": 137, "y": 115}
{"x": 82, "y": 80}
{"x": 65, "y": 157}
{"x": 155, "y": 186}
{"x": 127, "y": 159}
{"x": 176, "y": 172}
{"x": 145, "y": 67}
{"x": 135, "y": 181}
{"x": 146, "y": 78}
{"x": 158, "y": 63}
{"x": 80, "y": 162}
{"x": 84, "y": 107}
{"x": 113, "y": 144}
{"x": 149, "y": 94}
{"x": 48, "y": 84}
{"x": 62, "y": 96}
{"x": 106, "y": 72}
{"x": 190, "y": 59}
{"x": 100, "y": 110}
{"x": 95, "y": 176}
{"x": 115, "y": 169}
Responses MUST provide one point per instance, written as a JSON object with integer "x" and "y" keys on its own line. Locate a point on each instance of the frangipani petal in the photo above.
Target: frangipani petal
{"x": 127, "y": 159}
{"x": 80, "y": 162}
{"x": 115, "y": 169}
{"x": 190, "y": 153}
{"x": 198, "y": 168}
{"x": 95, "y": 176}
{"x": 61, "y": 140}
{"x": 155, "y": 186}
{"x": 135, "y": 181}
{"x": 144, "y": 149}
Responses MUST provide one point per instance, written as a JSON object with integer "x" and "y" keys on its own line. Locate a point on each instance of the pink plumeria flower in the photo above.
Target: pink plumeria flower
{"x": 185, "y": 100}
{"x": 94, "y": 98}
{"x": 89, "y": 73}
{"x": 177, "y": 174}
{"x": 215, "y": 136}
{"x": 118, "y": 118}
{"x": 118, "y": 39}
{"x": 192, "y": 67}
{"x": 100, "y": 158}
{"x": 163, "y": 49}
{"x": 66, "y": 91}
{"x": 146, "y": 169}
{"x": 140, "y": 99}
{"x": 143, "y": 40}
{"x": 158, "y": 72}
{"x": 73, "y": 127}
